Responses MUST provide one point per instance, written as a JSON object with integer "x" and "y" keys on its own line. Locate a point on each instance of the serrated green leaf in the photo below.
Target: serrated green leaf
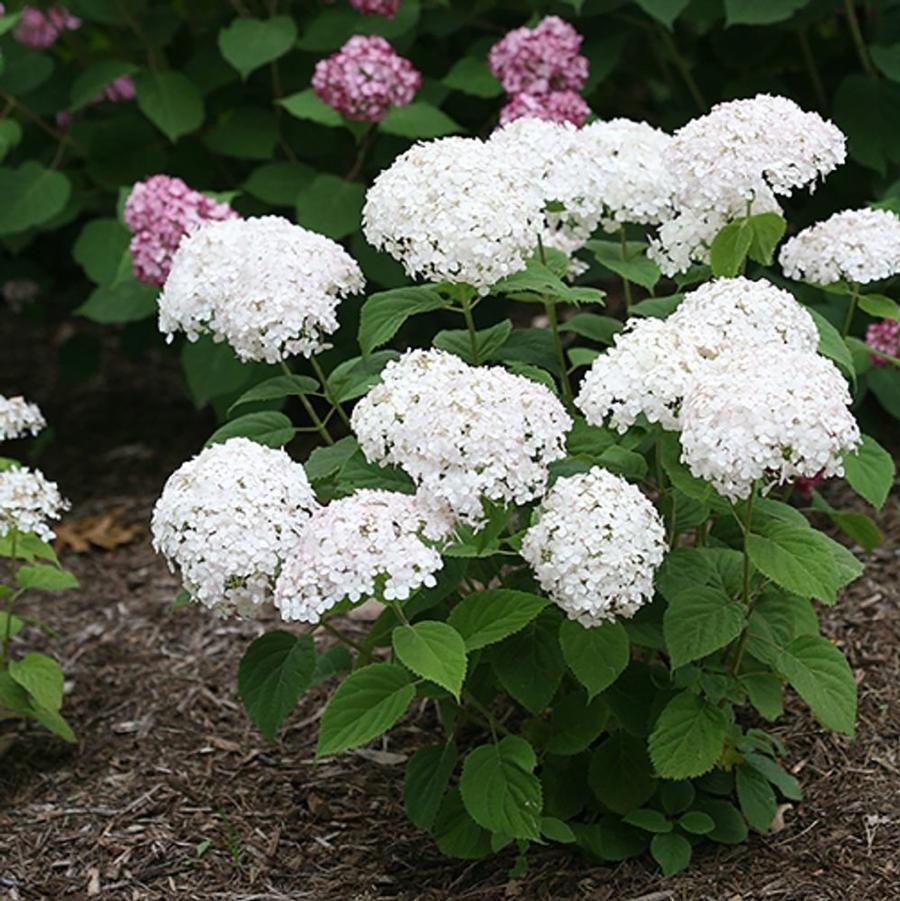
{"x": 730, "y": 826}
{"x": 276, "y": 388}
{"x": 688, "y": 737}
{"x": 766, "y": 230}
{"x": 871, "y": 471}
{"x": 486, "y": 617}
{"x": 306, "y": 105}
{"x": 326, "y": 461}
{"x": 41, "y": 677}
{"x": 671, "y": 851}
{"x": 620, "y": 773}
{"x": 593, "y": 326}
{"x": 529, "y": 664}
{"x": 699, "y": 621}
{"x": 354, "y": 377}
{"x": 330, "y": 205}
{"x": 766, "y": 694}
{"x": 32, "y": 195}
{"x": 418, "y": 120}
{"x": 760, "y": 12}
{"x": 170, "y": 101}
{"x": 880, "y": 306}
{"x": 778, "y": 776}
{"x": 267, "y": 427}
{"x": 472, "y": 76}
{"x": 648, "y": 819}
{"x": 597, "y": 656}
{"x": 434, "y": 651}
{"x": 249, "y": 43}
{"x": 756, "y": 798}
{"x": 729, "y": 248}
{"x": 456, "y": 833}
{"x": 425, "y": 782}
{"x": 487, "y": 341}
{"x": 696, "y": 822}
{"x": 638, "y": 268}
{"x": 45, "y": 578}
{"x": 383, "y": 313}
{"x": 576, "y": 722}
{"x": 279, "y": 183}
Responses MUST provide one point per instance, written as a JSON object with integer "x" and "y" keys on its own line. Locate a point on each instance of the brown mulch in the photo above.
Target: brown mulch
{"x": 171, "y": 794}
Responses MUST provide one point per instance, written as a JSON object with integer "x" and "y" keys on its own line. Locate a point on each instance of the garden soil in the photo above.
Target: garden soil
{"x": 171, "y": 794}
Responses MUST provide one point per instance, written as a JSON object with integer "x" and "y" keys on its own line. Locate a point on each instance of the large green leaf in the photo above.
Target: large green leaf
{"x": 89, "y": 84}
{"x": 761, "y": 12}
{"x": 267, "y": 427}
{"x": 425, "y": 782}
{"x": 820, "y": 674}
{"x": 274, "y": 671}
{"x": 699, "y": 621}
{"x": 472, "y": 76}
{"x": 41, "y": 677}
{"x": 45, "y": 578}
{"x": 729, "y": 248}
{"x": 250, "y": 43}
{"x": 486, "y": 617}
{"x": 365, "y": 705}
{"x": 101, "y": 250}
{"x": 306, "y": 105}
{"x": 671, "y": 851}
{"x": 621, "y": 774}
{"x": 32, "y": 195}
{"x": 756, "y": 797}
{"x": 170, "y": 101}
{"x": 277, "y": 387}
{"x": 870, "y": 470}
{"x": 688, "y": 737}
{"x": 434, "y": 651}
{"x": 126, "y": 301}
{"x": 331, "y": 205}
{"x": 383, "y": 313}
{"x": 665, "y": 11}
{"x": 638, "y": 268}
{"x": 576, "y": 722}
{"x": 456, "y": 833}
{"x": 499, "y": 789}
{"x": 418, "y": 120}
{"x": 597, "y": 656}
{"x": 279, "y": 183}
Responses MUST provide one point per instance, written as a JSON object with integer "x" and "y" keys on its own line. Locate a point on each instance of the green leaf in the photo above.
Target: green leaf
{"x": 665, "y": 11}
{"x": 766, "y": 230}
{"x": 680, "y": 476}
{"x": 354, "y": 377}
{"x": 859, "y": 527}
{"x": 127, "y": 301}
{"x": 54, "y": 722}
{"x": 696, "y": 822}
{"x": 486, "y": 617}
{"x": 589, "y": 325}
{"x": 326, "y": 461}
{"x": 247, "y": 133}
{"x": 688, "y": 737}
{"x": 620, "y": 773}
{"x": 46, "y": 578}
{"x": 425, "y": 782}
{"x": 274, "y": 671}
{"x": 831, "y": 344}
{"x": 730, "y": 826}
{"x": 456, "y": 833}
{"x": 870, "y": 470}
{"x": 649, "y": 820}
{"x": 529, "y": 664}
{"x": 41, "y": 677}
{"x": 100, "y": 249}
{"x": 887, "y": 60}
{"x": 365, "y": 705}
{"x": 672, "y": 852}
{"x": 267, "y": 427}
{"x": 10, "y": 624}
{"x": 499, "y": 789}
{"x": 306, "y": 105}
{"x": 756, "y": 798}
{"x": 597, "y": 656}
{"x": 170, "y": 101}
{"x": 699, "y": 621}
{"x": 777, "y": 775}
{"x": 760, "y": 12}
{"x": 276, "y": 388}
{"x": 12, "y": 696}
{"x": 434, "y": 651}
{"x": 331, "y": 205}
{"x": 880, "y": 306}
{"x": 250, "y": 43}
{"x": 820, "y": 674}
{"x": 657, "y": 307}
{"x": 418, "y": 120}
{"x": 91, "y": 82}
{"x": 557, "y": 830}
{"x": 729, "y": 248}
{"x": 10, "y": 136}
{"x": 487, "y": 341}
{"x": 766, "y": 694}
{"x": 638, "y": 268}
{"x": 472, "y": 76}
{"x": 279, "y": 183}
{"x": 575, "y": 723}
{"x": 336, "y": 659}
{"x": 383, "y": 313}
{"x": 32, "y": 195}
{"x": 676, "y": 797}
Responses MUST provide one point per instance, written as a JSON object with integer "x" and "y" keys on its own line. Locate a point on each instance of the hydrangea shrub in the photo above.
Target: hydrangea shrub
{"x": 597, "y": 546}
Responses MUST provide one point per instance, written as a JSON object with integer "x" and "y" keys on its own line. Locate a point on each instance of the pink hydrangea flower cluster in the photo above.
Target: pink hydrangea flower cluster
{"x": 883, "y": 336}
{"x": 542, "y": 71}
{"x": 385, "y": 8}
{"x": 160, "y": 211}
{"x": 40, "y": 28}
{"x": 365, "y": 78}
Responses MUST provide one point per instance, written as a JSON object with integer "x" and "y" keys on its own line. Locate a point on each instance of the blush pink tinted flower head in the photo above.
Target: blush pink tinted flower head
{"x": 365, "y": 78}
{"x": 557, "y": 106}
{"x": 40, "y": 28}
{"x": 883, "y": 336}
{"x": 160, "y": 211}
{"x": 540, "y": 60}
{"x": 385, "y": 8}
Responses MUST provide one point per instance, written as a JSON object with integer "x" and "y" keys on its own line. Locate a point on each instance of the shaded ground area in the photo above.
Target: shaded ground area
{"x": 170, "y": 793}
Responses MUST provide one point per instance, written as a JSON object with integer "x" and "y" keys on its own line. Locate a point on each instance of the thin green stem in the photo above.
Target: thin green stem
{"x": 399, "y": 612}
{"x": 745, "y": 584}
{"x": 323, "y": 379}
{"x": 813, "y": 70}
{"x": 851, "y": 310}
{"x": 466, "y": 303}
{"x": 317, "y": 422}
{"x": 342, "y": 636}
{"x": 626, "y": 284}
{"x": 683, "y": 70}
{"x": 550, "y": 308}
{"x": 492, "y": 721}
{"x": 858, "y": 40}
{"x": 12, "y": 597}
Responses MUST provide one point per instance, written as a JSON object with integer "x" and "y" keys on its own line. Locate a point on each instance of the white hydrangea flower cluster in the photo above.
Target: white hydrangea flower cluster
{"x": 228, "y": 518}
{"x": 741, "y": 152}
{"x": 18, "y": 418}
{"x": 372, "y": 544}
{"x": 462, "y": 433}
{"x": 653, "y": 362}
{"x": 28, "y": 501}
{"x": 596, "y": 546}
{"x": 857, "y": 246}
{"x": 266, "y": 286}
{"x": 767, "y": 411}
{"x": 453, "y": 210}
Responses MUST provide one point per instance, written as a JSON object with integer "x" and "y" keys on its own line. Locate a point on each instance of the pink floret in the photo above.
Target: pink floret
{"x": 385, "y": 8}
{"x": 160, "y": 211}
{"x": 40, "y": 29}
{"x": 117, "y": 91}
{"x": 884, "y": 336}
{"x": 558, "y": 106}
{"x": 365, "y": 78}
{"x": 540, "y": 60}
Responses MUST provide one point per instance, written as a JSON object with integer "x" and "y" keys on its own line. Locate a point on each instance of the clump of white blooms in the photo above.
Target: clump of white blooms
{"x": 228, "y": 518}
{"x": 596, "y": 546}
{"x": 453, "y": 210}
{"x": 462, "y": 433}
{"x": 766, "y": 412}
{"x": 857, "y": 246}
{"x": 653, "y": 362}
{"x": 18, "y": 418}
{"x": 371, "y": 544}
{"x": 28, "y": 501}
{"x": 269, "y": 288}
{"x": 634, "y": 184}
{"x": 734, "y": 161}
{"x": 553, "y": 158}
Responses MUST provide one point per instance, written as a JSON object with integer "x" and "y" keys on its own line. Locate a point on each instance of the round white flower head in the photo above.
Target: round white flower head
{"x": 462, "y": 433}
{"x": 27, "y": 501}
{"x": 552, "y": 157}
{"x": 596, "y": 546}
{"x": 653, "y": 361}
{"x": 766, "y": 412}
{"x": 633, "y": 184}
{"x": 18, "y": 418}
{"x": 372, "y": 544}
{"x": 269, "y": 288}
{"x": 453, "y": 210}
{"x": 227, "y": 519}
{"x": 857, "y": 246}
